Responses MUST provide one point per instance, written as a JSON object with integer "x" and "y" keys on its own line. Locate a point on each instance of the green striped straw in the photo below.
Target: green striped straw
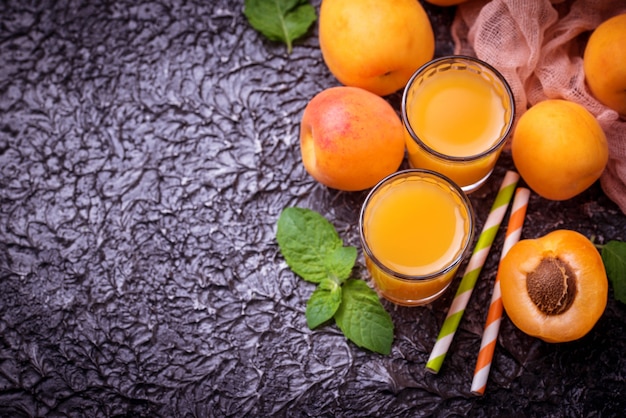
{"x": 472, "y": 271}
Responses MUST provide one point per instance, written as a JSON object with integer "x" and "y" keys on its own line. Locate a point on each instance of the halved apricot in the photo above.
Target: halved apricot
{"x": 554, "y": 287}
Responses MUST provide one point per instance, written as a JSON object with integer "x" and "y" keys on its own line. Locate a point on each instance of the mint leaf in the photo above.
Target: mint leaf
{"x": 340, "y": 262}
{"x": 362, "y": 318}
{"x": 614, "y": 258}
{"x": 311, "y": 246}
{"x": 280, "y": 20}
{"x": 323, "y": 303}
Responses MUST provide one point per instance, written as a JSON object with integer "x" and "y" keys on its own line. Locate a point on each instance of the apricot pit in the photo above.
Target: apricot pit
{"x": 552, "y": 286}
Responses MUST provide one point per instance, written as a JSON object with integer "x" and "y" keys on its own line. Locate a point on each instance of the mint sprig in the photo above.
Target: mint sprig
{"x": 280, "y": 20}
{"x": 314, "y": 251}
{"x": 614, "y": 259}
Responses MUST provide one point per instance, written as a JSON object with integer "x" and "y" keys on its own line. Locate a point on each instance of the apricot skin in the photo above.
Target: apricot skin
{"x": 591, "y": 292}
{"x": 604, "y": 63}
{"x": 559, "y": 149}
{"x": 375, "y": 44}
{"x": 350, "y": 138}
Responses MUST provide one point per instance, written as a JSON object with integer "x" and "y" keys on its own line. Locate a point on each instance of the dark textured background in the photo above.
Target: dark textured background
{"x": 146, "y": 150}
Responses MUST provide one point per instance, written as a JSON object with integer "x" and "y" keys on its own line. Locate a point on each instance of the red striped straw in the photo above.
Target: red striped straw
{"x": 492, "y": 324}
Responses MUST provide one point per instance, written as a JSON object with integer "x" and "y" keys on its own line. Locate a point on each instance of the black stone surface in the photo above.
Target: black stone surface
{"x": 146, "y": 150}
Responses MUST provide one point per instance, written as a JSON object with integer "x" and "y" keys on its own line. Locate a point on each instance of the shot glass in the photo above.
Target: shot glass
{"x": 416, "y": 226}
{"x": 458, "y": 112}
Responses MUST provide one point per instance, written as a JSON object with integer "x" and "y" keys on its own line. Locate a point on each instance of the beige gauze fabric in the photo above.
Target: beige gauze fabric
{"x": 538, "y": 46}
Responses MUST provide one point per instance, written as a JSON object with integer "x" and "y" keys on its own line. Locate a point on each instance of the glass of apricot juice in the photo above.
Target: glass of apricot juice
{"x": 458, "y": 112}
{"x": 416, "y": 227}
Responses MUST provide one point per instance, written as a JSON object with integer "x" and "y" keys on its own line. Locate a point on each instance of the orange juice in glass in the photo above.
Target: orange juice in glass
{"x": 458, "y": 112}
{"x": 416, "y": 226}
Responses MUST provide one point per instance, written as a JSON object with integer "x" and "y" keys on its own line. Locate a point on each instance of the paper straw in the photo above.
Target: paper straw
{"x": 494, "y": 316}
{"x": 472, "y": 271}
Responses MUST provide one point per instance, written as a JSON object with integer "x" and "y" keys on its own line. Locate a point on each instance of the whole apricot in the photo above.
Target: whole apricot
{"x": 350, "y": 138}
{"x": 554, "y": 287}
{"x": 604, "y": 63}
{"x": 375, "y": 44}
{"x": 559, "y": 149}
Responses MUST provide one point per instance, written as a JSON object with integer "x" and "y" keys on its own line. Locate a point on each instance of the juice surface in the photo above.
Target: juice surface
{"x": 417, "y": 228}
{"x": 457, "y": 113}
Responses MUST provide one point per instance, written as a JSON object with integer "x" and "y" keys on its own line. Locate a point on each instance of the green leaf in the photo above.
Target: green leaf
{"x": 614, "y": 258}
{"x": 313, "y": 250}
{"x": 280, "y": 20}
{"x": 340, "y": 262}
{"x": 323, "y": 303}
{"x": 362, "y": 318}
{"x": 311, "y": 246}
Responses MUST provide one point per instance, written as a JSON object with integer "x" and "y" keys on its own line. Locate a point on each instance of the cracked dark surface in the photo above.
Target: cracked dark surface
{"x": 146, "y": 150}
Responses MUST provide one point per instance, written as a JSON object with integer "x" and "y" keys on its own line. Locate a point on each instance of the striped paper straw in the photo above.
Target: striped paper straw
{"x": 472, "y": 271}
{"x": 492, "y": 324}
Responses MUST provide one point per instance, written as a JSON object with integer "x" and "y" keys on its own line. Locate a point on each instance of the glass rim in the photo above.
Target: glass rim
{"x": 507, "y": 88}
{"x": 466, "y": 244}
